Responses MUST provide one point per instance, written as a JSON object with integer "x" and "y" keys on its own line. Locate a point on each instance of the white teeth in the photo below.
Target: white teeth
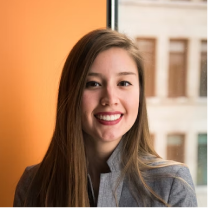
{"x": 109, "y": 117}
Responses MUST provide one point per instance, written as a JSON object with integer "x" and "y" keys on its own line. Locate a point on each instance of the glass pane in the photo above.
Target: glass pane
{"x": 202, "y": 160}
{"x": 177, "y": 46}
{"x": 147, "y": 49}
{"x": 203, "y": 75}
{"x": 177, "y": 75}
{"x": 175, "y": 147}
{"x": 204, "y": 46}
{"x": 177, "y": 110}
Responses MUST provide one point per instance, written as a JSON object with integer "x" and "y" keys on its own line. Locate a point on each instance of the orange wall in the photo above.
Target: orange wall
{"x": 35, "y": 39}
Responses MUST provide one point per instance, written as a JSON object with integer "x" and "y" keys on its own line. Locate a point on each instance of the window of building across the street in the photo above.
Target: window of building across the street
{"x": 203, "y": 66}
{"x": 147, "y": 48}
{"x": 172, "y": 38}
{"x": 177, "y": 68}
{"x": 202, "y": 160}
{"x": 175, "y": 147}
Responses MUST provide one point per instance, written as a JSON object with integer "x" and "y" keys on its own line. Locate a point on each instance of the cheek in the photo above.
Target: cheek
{"x": 85, "y": 101}
{"x": 132, "y": 103}
{"x": 85, "y": 109}
{"x": 133, "y": 99}
{"x": 89, "y": 103}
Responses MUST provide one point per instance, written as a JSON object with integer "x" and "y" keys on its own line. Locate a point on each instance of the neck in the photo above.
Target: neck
{"x": 97, "y": 153}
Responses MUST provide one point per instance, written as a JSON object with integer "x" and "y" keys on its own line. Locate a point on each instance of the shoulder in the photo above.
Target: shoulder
{"x": 161, "y": 168}
{"x": 174, "y": 184}
{"x": 23, "y": 185}
{"x": 182, "y": 191}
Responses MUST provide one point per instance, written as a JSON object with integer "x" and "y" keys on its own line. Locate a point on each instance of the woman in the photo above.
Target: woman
{"x": 101, "y": 153}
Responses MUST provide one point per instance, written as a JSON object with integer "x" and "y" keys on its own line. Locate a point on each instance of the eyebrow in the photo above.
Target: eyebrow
{"x": 126, "y": 73}
{"x": 119, "y": 74}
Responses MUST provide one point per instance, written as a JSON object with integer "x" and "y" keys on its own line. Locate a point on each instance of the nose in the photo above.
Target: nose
{"x": 109, "y": 97}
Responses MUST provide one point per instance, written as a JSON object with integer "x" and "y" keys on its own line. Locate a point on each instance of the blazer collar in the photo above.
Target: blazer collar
{"x": 114, "y": 161}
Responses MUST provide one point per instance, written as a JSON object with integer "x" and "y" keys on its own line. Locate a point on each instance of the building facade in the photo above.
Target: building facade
{"x": 172, "y": 37}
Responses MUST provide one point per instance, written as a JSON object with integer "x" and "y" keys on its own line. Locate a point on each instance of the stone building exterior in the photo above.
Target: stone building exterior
{"x": 172, "y": 38}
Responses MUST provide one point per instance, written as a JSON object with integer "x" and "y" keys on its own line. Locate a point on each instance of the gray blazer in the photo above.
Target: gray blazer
{"x": 175, "y": 192}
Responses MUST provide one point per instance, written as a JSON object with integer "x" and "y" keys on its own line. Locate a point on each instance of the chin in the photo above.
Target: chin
{"x": 110, "y": 138}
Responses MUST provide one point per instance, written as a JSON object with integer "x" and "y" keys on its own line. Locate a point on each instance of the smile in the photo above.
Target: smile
{"x": 109, "y": 117}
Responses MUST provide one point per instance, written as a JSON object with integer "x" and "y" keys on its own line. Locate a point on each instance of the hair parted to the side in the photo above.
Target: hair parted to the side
{"x": 61, "y": 177}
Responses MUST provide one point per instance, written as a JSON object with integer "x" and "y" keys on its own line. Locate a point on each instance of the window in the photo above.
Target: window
{"x": 203, "y": 73}
{"x": 177, "y": 68}
{"x": 179, "y": 28}
{"x": 202, "y": 160}
{"x": 147, "y": 48}
{"x": 175, "y": 147}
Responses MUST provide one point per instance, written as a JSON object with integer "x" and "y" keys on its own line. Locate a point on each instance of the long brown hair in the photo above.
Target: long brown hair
{"x": 61, "y": 177}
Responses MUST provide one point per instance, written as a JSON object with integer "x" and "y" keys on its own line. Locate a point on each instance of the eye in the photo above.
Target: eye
{"x": 92, "y": 84}
{"x": 124, "y": 83}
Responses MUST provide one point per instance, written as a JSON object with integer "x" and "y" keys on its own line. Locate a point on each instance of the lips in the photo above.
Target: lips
{"x": 109, "y": 118}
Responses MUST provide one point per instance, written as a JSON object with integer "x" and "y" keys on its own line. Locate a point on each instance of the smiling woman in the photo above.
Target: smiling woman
{"x": 101, "y": 153}
{"x": 110, "y": 101}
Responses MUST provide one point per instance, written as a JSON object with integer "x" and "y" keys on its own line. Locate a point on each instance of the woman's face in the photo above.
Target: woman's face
{"x": 110, "y": 99}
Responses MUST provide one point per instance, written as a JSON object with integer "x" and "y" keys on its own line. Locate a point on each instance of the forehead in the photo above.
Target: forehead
{"x": 114, "y": 60}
